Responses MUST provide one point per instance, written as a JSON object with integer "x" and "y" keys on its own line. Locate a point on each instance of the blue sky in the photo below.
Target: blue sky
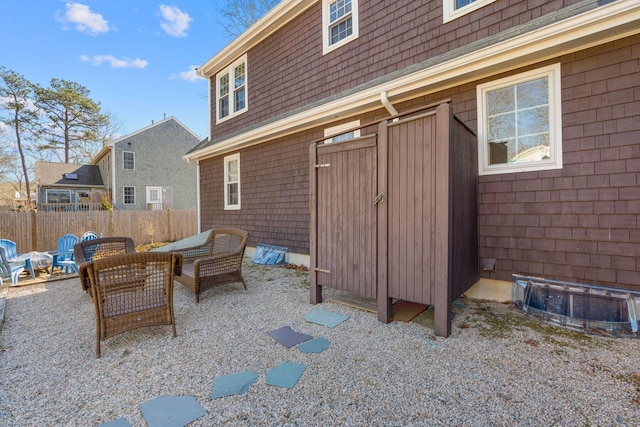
{"x": 136, "y": 57}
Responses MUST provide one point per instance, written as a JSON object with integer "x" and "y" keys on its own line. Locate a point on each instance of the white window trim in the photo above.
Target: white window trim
{"x": 343, "y": 128}
{"x": 326, "y": 48}
{"x": 159, "y": 190}
{"x": 227, "y": 160}
{"x": 134, "y": 160}
{"x": 124, "y": 199}
{"x": 229, "y": 70}
{"x": 552, "y": 72}
{"x": 450, "y": 13}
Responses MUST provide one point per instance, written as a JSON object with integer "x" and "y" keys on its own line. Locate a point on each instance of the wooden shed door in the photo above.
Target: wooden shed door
{"x": 344, "y": 213}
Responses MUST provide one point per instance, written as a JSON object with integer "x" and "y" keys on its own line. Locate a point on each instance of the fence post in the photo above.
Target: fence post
{"x": 34, "y": 230}
{"x": 169, "y": 225}
{"x": 111, "y": 223}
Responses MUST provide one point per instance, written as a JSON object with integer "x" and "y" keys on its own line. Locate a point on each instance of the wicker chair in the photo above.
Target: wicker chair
{"x": 131, "y": 291}
{"x": 215, "y": 262}
{"x": 90, "y": 250}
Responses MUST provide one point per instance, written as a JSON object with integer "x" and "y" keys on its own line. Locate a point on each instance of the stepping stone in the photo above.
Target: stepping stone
{"x": 171, "y": 411}
{"x": 228, "y": 385}
{"x": 325, "y": 318}
{"x": 288, "y": 337}
{"x": 120, "y": 422}
{"x": 316, "y": 345}
{"x": 286, "y": 374}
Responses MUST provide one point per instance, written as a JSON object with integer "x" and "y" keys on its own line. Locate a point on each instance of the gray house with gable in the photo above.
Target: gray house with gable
{"x": 66, "y": 186}
{"x": 145, "y": 171}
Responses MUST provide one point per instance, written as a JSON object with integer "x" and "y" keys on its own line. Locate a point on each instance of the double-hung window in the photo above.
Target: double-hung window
{"x": 231, "y": 90}
{"x": 339, "y": 23}
{"x": 453, "y": 9}
{"x": 129, "y": 194}
{"x": 128, "y": 160}
{"x": 232, "y": 182}
{"x": 519, "y": 122}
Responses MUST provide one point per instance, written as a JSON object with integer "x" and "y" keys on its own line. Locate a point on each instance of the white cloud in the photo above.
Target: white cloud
{"x": 175, "y": 22}
{"x": 191, "y": 74}
{"x": 84, "y": 19}
{"x": 115, "y": 62}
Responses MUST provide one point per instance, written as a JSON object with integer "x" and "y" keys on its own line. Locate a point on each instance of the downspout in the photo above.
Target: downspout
{"x": 384, "y": 98}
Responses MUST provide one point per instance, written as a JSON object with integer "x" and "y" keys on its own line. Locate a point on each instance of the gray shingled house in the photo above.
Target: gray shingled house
{"x": 64, "y": 186}
{"x": 145, "y": 171}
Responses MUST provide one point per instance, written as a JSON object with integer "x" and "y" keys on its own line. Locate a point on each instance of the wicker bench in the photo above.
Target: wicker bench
{"x": 215, "y": 262}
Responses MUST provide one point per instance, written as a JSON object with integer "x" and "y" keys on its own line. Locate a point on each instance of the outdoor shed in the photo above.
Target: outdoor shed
{"x": 394, "y": 213}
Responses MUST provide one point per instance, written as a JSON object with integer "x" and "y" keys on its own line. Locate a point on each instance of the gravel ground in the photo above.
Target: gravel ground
{"x": 498, "y": 368}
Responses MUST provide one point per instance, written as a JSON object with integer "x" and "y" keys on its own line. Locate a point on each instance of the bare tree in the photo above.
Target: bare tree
{"x": 238, "y": 15}
{"x": 15, "y": 91}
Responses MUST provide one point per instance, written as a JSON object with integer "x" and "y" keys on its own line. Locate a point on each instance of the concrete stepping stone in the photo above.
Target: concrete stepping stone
{"x": 288, "y": 337}
{"x": 316, "y": 345}
{"x": 285, "y": 375}
{"x": 171, "y": 411}
{"x": 325, "y": 318}
{"x": 228, "y": 385}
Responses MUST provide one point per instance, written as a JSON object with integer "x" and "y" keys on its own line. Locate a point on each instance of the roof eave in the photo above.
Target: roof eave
{"x": 282, "y": 13}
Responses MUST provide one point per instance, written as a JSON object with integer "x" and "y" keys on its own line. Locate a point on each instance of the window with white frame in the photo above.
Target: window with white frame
{"x": 339, "y": 23}
{"x": 231, "y": 90}
{"x": 519, "y": 122}
{"x": 128, "y": 160}
{"x": 232, "y": 182}
{"x": 336, "y": 132}
{"x": 129, "y": 195}
{"x": 453, "y": 9}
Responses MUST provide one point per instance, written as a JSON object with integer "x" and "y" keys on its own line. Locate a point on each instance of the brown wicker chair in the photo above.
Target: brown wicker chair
{"x": 90, "y": 250}
{"x": 215, "y": 262}
{"x": 131, "y": 291}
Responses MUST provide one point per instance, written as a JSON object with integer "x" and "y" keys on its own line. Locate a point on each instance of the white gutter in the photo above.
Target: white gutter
{"x": 384, "y": 98}
{"x": 600, "y": 25}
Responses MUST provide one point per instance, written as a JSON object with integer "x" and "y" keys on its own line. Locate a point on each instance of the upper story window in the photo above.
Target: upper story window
{"x": 231, "y": 90}
{"x": 453, "y": 9}
{"x": 339, "y": 23}
{"x": 336, "y": 132}
{"x": 519, "y": 122}
{"x": 232, "y": 182}
{"x": 128, "y": 160}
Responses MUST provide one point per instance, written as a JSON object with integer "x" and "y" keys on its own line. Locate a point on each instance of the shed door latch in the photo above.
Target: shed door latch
{"x": 379, "y": 199}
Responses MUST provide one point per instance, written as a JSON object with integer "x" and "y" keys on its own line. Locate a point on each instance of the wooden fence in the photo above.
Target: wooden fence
{"x": 40, "y": 231}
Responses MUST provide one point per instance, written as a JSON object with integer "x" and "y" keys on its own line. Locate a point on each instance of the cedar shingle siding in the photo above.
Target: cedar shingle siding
{"x": 578, "y": 223}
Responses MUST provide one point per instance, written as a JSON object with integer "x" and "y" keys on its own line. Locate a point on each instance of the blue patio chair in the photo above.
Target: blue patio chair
{"x": 9, "y": 269}
{"x": 11, "y": 253}
{"x": 63, "y": 258}
{"x": 89, "y": 235}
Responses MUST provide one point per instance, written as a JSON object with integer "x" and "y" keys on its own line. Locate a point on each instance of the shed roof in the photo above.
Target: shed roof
{"x": 68, "y": 174}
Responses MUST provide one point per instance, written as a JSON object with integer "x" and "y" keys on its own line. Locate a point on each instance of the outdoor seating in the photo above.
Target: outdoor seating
{"x": 87, "y": 251}
{"x": 215, "y": 262}
{"x": 11, "y": 253}
{"x": 8, "y": 269}
{"x": 63, "y": 258}
{"x": 89, "y": 235}
{"x": 131, "y": 291}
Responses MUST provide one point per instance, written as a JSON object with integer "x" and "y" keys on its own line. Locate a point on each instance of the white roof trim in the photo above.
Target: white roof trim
{"x": 282, "y": 13}
{"x": 603, "y": 24}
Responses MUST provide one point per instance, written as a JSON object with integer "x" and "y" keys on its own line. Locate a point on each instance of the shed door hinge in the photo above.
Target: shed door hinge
{"x": 321, "y": 270}
{"x": 322, "y": 165}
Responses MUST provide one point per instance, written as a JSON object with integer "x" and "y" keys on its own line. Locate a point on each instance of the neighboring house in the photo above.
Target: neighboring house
{"x": 145, "y": 171}
{"x": 65, "y": 186}
{"x": 552, "y": 89}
